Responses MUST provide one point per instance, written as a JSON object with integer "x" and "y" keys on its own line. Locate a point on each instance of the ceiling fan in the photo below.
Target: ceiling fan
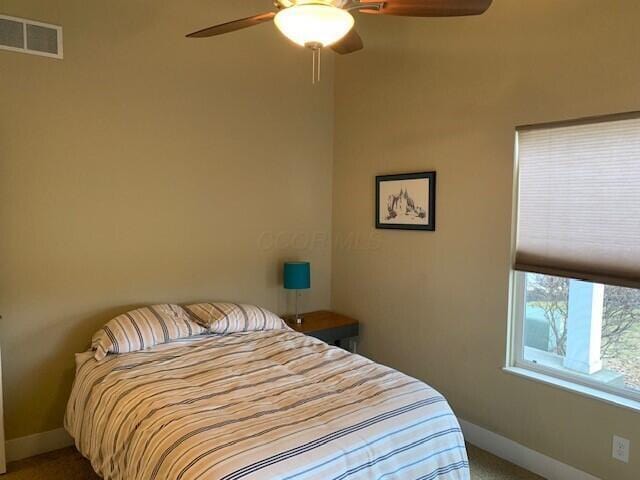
{"x": 329, "y": 23}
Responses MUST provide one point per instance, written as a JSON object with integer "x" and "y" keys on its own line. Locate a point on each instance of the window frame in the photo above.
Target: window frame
{"x": 515, "y": 362}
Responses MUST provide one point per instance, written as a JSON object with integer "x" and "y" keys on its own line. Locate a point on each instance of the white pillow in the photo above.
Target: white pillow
{"x": 224, "y": 317}
{"x": 144, "y": 328}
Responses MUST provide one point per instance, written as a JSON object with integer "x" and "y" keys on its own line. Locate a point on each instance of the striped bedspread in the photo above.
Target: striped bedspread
{"x": 259, "y": 405}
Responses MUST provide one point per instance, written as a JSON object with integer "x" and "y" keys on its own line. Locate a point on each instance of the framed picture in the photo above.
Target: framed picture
{"x": 406, "y": 201}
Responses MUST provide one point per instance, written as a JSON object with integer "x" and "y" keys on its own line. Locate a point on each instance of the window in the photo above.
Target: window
{"x": 579, "y": 331}
{"x": 576, "y": 258}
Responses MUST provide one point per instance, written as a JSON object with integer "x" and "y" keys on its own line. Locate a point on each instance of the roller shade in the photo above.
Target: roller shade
{"x": 579, "y": 200}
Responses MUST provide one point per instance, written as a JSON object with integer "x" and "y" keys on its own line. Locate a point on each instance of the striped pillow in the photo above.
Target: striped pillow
{"x": 221, "y": 317}
{"x": 143, "y": 328}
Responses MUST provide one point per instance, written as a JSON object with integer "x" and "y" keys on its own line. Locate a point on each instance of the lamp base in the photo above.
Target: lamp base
{"x": 297, "y": 319}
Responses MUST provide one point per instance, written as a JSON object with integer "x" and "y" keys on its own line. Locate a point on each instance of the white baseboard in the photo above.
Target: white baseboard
{"x": 524, "y": 457}
{"x": 24, "y": 447}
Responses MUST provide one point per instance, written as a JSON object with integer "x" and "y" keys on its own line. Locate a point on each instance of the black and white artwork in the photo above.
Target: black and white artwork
{"x": 406, "y": 201}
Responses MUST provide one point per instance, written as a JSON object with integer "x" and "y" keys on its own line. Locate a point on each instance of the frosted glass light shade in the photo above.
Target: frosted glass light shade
{"x": 314, "y": 23}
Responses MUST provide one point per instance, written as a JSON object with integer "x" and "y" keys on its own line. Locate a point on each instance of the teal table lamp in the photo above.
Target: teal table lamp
{"x": 297, "y": 276}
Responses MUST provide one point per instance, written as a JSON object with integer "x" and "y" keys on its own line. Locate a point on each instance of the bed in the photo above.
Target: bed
{"x": 271, "y": 404}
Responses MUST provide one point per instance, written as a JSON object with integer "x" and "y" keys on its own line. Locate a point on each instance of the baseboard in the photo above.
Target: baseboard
{"x": 524, "y": 457}
{"x": 24, "y": 447}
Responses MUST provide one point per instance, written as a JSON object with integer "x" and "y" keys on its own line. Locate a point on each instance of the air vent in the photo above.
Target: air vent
{"x": 28, "y": 36}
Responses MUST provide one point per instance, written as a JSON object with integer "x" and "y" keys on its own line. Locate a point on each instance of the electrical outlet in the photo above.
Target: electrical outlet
{"x": 620, "y": 449}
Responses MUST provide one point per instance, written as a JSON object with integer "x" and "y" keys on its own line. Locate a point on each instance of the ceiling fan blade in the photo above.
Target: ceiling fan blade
{"x": 429, "y": 8}
{"x": 350, "y": 43}
{"x": 233, "y": 26}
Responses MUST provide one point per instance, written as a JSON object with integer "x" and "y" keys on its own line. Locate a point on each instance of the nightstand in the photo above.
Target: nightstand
{"x": 330, "y": 327}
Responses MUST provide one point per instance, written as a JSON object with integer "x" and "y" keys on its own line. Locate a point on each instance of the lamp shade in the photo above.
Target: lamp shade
{"x": 297, "y": 275}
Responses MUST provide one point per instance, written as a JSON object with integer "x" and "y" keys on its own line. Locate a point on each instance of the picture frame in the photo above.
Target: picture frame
{"x": 406, "y": 201}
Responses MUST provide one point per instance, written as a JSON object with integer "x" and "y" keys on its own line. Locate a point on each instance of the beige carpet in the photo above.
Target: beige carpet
{"x": 67, "y": 464}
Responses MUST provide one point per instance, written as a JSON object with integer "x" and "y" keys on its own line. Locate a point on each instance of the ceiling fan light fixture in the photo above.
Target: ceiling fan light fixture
{"x": 314, "y": 23}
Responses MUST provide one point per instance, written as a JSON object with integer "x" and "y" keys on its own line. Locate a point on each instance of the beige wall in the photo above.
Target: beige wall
{"x": 446, "y": 94}
{"x": 146, "y": 167}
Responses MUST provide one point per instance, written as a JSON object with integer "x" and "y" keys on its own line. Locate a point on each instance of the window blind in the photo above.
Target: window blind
{"x": 579, "y": 200}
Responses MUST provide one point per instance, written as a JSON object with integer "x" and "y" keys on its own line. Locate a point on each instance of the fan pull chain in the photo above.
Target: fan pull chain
{"x": 317, "y": 55}
{"x": 316, "y": 49}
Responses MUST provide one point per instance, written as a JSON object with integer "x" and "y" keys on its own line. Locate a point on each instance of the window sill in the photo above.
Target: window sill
{"x": 583, "y": 390}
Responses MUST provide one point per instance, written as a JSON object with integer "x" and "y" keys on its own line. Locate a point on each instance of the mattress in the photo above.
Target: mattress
{"x": 259, "y": 405}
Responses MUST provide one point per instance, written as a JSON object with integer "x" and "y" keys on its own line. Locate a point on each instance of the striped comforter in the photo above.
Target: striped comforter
{"x": 259, "y": 405}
